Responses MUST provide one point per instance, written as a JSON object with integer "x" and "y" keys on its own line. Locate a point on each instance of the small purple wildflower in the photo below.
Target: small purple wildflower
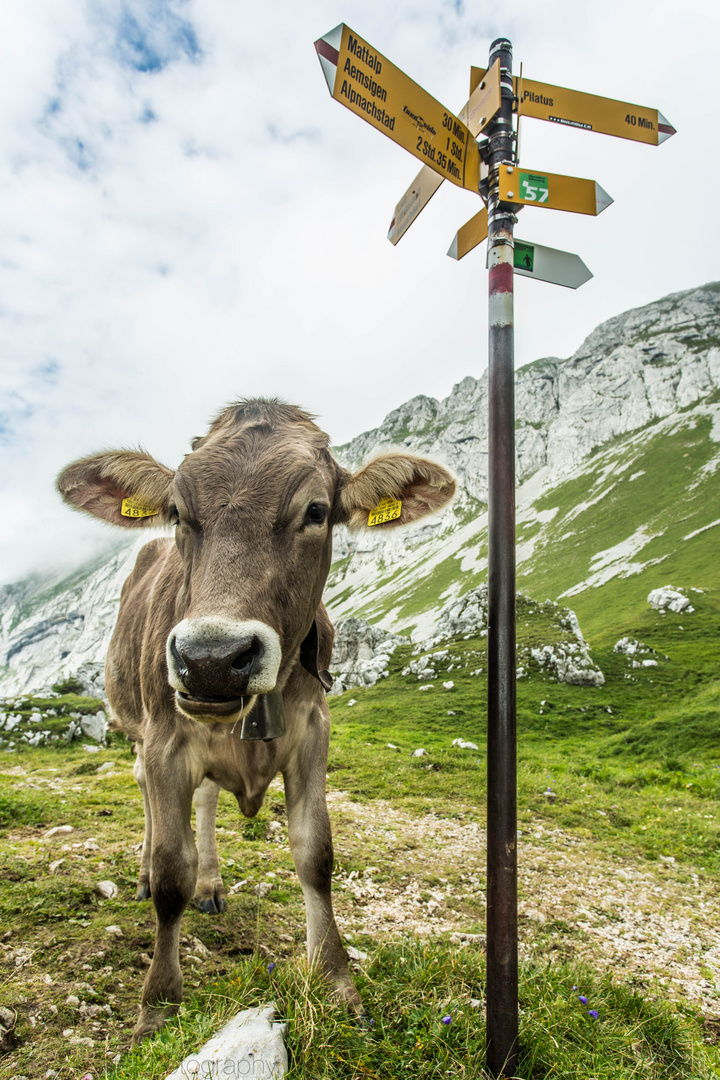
{"x": 271, "y": 967}
{"x": 582, "y": 1000}
{"x": 447, "y": 1019}
{"x": 594, "y": 1013}
{"x": 574, "y": 989}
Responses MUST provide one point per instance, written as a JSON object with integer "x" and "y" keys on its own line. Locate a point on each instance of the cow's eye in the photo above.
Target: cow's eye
{"x": 174, "y": 516}
{"x": 316, "y": 513}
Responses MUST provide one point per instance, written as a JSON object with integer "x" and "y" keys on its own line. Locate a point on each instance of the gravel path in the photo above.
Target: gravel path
{"x": 646, "y": 921}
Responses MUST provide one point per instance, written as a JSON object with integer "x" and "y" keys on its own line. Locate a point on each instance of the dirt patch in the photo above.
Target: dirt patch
{"x": 646, "y": 921}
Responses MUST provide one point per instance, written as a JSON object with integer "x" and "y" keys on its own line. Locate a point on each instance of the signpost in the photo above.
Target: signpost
{"x": 367, "y": 83}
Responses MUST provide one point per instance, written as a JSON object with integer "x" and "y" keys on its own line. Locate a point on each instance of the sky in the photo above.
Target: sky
{"x": 188, "y": 218}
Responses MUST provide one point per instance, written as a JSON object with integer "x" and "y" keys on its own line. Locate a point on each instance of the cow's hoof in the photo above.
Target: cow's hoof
{"x": 346, "y": 994}
{"x": 143, "y": 891}
{"x": 210, "y": 905}
{"x": 210, "y": 898}
{"x": 152, "y": 1018}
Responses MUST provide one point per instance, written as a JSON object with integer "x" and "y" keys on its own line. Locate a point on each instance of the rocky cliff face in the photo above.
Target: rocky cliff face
{"x": 640, "y": 366}
{"x": 52, "y": 630}
{"x": 636, "y": 369}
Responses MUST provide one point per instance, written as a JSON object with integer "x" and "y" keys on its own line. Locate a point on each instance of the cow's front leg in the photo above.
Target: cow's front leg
{"x": 312, "y": 851}
{"x": 173, "y": 870}
{"x": 143, "y": 885}
{"x": 209, "y": 889}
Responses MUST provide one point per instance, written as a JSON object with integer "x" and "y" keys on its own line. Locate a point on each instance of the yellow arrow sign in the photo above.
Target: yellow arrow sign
{"x": 477, "y": 113}
{"x": 573, "y": 108}
{"x": 484, "y": 101}
{"x": 363, "y": 80}
{"x": 415, "y": 199}
{"x": 469, "y": 235}
{"x": 519, "y": 185}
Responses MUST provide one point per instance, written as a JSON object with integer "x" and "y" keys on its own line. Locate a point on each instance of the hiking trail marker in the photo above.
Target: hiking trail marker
{"x": 363, "y": 80}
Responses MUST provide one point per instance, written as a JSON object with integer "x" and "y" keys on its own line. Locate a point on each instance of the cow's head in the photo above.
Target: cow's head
{"x": 253, "y": 508}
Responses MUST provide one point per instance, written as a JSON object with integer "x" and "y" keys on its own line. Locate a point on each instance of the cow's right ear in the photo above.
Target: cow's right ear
{"x": 125, "y": 487}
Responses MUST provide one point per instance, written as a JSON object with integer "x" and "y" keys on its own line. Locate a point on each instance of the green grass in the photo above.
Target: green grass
{"x": 409, "y": 988}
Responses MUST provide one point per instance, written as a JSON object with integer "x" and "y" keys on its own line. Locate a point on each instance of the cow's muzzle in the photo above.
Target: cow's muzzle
{"x": 217, "y": 665}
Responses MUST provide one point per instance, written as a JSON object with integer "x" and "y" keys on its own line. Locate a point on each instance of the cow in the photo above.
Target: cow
{"x": 217, "y": 667}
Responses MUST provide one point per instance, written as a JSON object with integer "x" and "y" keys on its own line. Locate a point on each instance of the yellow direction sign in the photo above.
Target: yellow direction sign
{"x": 415, "y": 199}
{"x": 531, "y": 188}
{"x": 363, "y": 80}
{"x": 484, "y": 101}
{"x": 477, "y": 113}
{"x": 572, "y": 108}
{"x": 575, "y": 109}
{"x": 469, "y": 235}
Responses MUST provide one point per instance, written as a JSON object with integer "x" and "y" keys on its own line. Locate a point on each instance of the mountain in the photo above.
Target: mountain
{"x": 618, "y": 455}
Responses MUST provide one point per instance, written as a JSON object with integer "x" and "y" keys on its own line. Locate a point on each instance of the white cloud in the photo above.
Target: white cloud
{"x": 187, "y": 218}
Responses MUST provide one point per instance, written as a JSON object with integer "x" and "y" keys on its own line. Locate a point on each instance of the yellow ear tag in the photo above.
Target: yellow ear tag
{"x": 386, "y": 510}
{"x": 133, "y": 508}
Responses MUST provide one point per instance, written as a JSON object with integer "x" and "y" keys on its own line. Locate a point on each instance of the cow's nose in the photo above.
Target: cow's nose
{"x": 216, "y": 667}
{"x": 218, "y": 659}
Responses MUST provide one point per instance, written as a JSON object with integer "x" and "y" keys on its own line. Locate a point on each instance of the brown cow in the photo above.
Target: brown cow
{"x": 216, "y": 662}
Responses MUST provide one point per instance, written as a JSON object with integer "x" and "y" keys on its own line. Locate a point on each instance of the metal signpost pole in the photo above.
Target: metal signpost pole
{"x": 502, "y": 948}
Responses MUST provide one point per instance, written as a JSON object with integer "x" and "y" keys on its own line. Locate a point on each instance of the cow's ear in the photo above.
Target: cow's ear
{"x": 124, "y": 487}
{"x": 400, "y": 488}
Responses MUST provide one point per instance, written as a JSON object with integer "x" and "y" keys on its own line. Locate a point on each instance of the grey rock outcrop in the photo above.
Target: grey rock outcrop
{"x": 52, "y": 630}
{"x": 639, "y": 366}
{"x": 569, "y": 662}
{"x": 643, "y": 365}
{"x": 361, "y": 654}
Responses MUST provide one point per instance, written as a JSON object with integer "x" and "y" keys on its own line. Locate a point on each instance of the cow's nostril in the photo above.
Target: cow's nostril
{"x": 180, "y": 662}
{"x": 243, "y": 661}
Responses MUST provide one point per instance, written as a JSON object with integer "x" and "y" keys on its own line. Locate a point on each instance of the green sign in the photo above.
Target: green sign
{"x": 533, "y": 187}
{"x": 524, "y": 256}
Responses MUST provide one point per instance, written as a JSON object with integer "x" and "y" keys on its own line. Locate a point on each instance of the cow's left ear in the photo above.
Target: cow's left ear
{"x": 418, "y": 485}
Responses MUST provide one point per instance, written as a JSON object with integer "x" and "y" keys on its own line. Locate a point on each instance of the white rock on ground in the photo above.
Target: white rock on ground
{"x": 628, "y": 646}
{"x": 669, "y": 599}
{"x": 95, "y": 727}
{"x": 569, "y": 663}
{"x": 107, "y": 889}
{"x": 250, "y": 1044}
